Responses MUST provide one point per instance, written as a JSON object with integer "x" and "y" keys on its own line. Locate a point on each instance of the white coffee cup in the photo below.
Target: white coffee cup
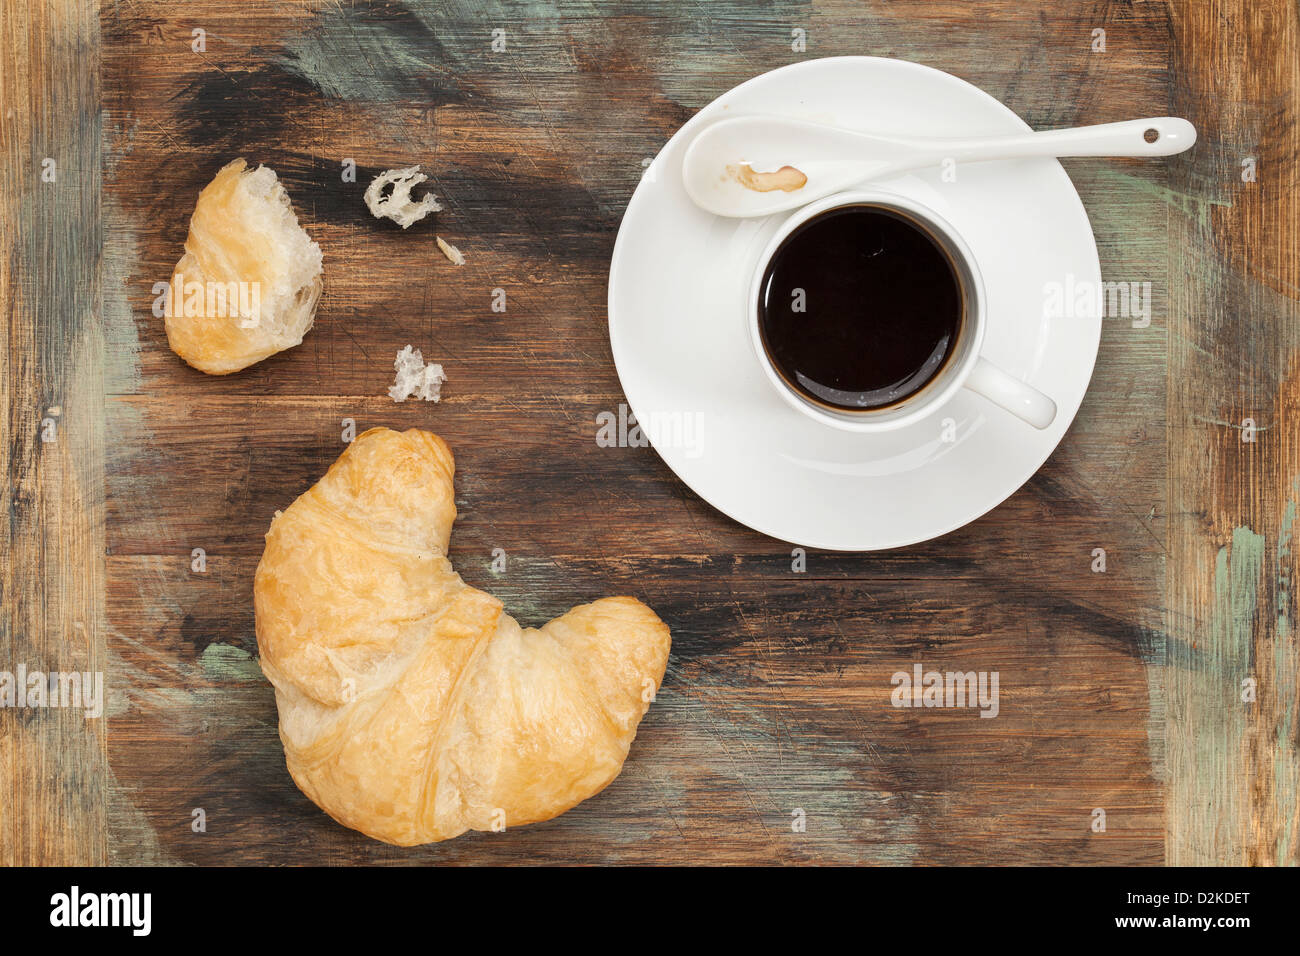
{"x": 964, "y": 368}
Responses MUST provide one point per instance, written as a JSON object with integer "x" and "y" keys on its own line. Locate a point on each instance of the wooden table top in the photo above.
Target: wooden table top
{"x": 1148, "y": 712}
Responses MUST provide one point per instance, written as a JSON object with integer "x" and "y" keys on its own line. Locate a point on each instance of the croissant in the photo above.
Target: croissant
{"x": 248, "y": 283}
{"x": 411, "y": 707}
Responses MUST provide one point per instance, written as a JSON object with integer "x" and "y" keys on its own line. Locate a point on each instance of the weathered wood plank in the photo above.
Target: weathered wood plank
{"x": 1234, "y": 248}
{"x": 53, "y": 784}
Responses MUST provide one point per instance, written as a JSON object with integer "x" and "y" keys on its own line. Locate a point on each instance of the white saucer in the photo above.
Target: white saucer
{"x": 677, "y": 324}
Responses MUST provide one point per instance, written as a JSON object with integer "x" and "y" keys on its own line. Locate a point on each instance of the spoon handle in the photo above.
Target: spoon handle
{"x": 1155, "y": 136}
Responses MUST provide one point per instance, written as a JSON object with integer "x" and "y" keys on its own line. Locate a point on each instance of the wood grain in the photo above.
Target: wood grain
{"x": 778, "y": 691}
{"x": 1235, "y": 330}
{"x": 52, "y": 761}
{"x": 777, "y": 698}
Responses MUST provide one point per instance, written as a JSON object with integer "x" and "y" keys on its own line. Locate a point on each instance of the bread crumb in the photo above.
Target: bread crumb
{"x": 450, "y": 251}
{"x": 416, "y": 378}
{"x": 398, "y": 204}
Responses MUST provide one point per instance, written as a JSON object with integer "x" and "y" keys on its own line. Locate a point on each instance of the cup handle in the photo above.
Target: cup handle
{"x": 1024, "y": 401}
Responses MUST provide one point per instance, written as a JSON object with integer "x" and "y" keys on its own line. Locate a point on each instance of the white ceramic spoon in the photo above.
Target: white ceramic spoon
{"x": 759, "y": 165}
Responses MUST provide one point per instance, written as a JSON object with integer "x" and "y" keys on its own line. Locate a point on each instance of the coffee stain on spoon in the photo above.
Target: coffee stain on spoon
{"x": 787, "y": 179}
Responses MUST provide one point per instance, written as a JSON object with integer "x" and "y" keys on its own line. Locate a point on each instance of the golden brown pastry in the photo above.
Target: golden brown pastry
{"x": 249, "y": 281}
{"x": 411, "y": 707}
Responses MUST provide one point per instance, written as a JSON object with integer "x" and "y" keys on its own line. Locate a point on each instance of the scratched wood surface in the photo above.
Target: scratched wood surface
{"x": 1119, "y": 690}
{"x": 1234, "y": 255}
{"x": 53, "y": 770}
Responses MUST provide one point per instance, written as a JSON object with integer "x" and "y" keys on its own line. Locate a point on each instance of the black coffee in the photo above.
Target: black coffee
{"x": 859, "y": 308}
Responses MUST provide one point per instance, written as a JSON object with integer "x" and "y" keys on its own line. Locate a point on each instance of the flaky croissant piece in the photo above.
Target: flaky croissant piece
{"x": 411, "y": 707}
{"x": 249, "y": 281}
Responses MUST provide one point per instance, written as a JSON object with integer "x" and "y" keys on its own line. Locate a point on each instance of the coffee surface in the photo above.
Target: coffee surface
{"x": 859, "y": 308}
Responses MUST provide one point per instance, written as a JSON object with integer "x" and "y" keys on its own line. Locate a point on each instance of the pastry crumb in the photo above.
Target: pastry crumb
{"x": 398, "y": 204}
{"x": 414, "y": 378}
{"x": 453, "y": 254}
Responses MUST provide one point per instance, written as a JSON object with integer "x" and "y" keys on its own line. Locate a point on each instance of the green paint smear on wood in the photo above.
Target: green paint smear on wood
{"x": 223, "y": 662}
{"x": 1206, "y": 792}
{"x": 1236, "y": 594}
{"x": 1237, "y": 572}
{"x": 1194, "y": 207}
{"x": 423, "y": 50}
{"x": 1208, "y": 780}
